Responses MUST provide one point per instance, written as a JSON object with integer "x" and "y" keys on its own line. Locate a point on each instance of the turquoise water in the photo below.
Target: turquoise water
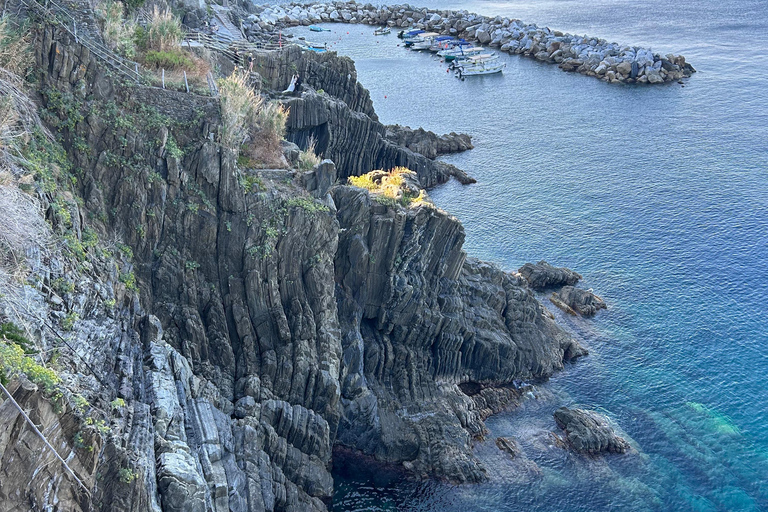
{"x": 658, "y": 196}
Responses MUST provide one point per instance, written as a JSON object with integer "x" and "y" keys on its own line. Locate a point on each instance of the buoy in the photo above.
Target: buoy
{"x": 448, "y": 70}
{"x": 347, "y": 32}
{"x": 385, "y": 96}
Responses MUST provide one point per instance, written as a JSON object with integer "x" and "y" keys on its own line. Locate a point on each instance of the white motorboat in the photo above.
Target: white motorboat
{"x": 382, "y": 31}
{"x": 484, "y": 64}
{"x": 423, "y": 41}
{"x": 460, "y": 53}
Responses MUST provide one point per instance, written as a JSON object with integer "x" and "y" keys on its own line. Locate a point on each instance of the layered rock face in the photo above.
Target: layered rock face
{"x": 420, "y": 322}
{"x": 542, "y": 275}
{"x": 270, "y": 325}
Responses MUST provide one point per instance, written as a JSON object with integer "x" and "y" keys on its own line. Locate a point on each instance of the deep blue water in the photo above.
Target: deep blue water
{"x": 658, "y": 196}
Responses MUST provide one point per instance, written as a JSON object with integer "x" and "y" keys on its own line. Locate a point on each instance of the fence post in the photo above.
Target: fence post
{"x": 186, "y": 84}
{"x": 163, "y": 78}
{"x": 136, "y": 67}
{"x": 75, "y": 27}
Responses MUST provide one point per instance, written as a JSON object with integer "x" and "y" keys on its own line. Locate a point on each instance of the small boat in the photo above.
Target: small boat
{"x": 441, "y": 43}
{"x": 315, "y": 28}
{"x": 313, "y": 47}
{"x": 382, "y": 31}
{"x": 422, "y": 41}
{"x": 403, "y": 34}
{"x": 460, "y": 50}
{"x": 484, "y": 64}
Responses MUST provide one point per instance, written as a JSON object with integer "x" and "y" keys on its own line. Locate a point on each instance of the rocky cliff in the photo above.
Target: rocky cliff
{"x": 337, "y": 112}
{"x": 248, "y": 321}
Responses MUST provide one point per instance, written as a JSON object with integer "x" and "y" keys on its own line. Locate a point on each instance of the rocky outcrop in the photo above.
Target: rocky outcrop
{"x": 424, "y": 330}
{"x": 509, "y": 445}
{"x": 357, "y": 143}
{"x": 543, "y": 275}
{"x": 590, "y": 56}
{"x": 584, "y": 302}
{"x": 589, "y": 432}
{"x": 428, "y": 143}
{"x": 342, "y": 122}
{"x": 249, "y": 321}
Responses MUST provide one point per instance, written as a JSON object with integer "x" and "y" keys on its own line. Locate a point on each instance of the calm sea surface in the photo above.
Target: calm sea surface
{"x": 658, "y": 196}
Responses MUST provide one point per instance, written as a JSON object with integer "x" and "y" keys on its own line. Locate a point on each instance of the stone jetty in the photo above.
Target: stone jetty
{"x": 587, "y": 55}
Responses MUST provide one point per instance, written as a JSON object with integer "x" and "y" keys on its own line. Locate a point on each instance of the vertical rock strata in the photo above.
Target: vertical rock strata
{"x": 418, "y": 320}
{"x": 271, "y": 326}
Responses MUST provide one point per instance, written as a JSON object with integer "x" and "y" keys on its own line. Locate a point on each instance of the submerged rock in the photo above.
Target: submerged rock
{"x": 589, "y": 431}
{"x": 543, "y": 275}
{"x": 509, "y": 445}
{"x": 584, "y": 302}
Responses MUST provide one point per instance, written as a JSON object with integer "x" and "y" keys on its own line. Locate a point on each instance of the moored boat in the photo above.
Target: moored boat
{"x": 442, "y": 43}
{"x": 313, "y": 47}
{"x": 315, "y": 28}
{"x": 410, "y": 34}
{"x": 382, "y": 31}
{"x": 422, "y": 41}
{"x": 459, "y": 53}
{"x": 484, "y": 64}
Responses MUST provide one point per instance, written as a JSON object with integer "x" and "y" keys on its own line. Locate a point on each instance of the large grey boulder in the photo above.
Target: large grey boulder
{"x": 589, "y": 431}
{"x": 584, "y": 302}
{"x": 543, "y": 275}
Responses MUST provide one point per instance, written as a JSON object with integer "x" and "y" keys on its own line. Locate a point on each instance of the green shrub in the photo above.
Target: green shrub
{"x": 68, "y": 323}
{"x": 126, "y": 475}
{"x": 171, "y": 59}
{"x": 14, "y": 359}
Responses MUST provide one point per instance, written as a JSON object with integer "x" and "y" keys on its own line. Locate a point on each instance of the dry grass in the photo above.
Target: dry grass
{"x": 239, "y": 108}
{"x": 164, "y": 32}
{"x": 268, "y": 132}
{"x": 15, "y": 49}
{"x": 251, "y": 125}
{"x": 118, "y": 32}
{"x": 309, "y": 159}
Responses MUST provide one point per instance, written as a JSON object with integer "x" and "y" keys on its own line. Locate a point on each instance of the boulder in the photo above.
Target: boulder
{"x": 482, "y": 36}
{"x": 589, "y": 432}
{"x": 543, "y": 275}
{"x": 624, "y": 67}
{"x": 509, "y": 445}
{"x": 584, "y": 302}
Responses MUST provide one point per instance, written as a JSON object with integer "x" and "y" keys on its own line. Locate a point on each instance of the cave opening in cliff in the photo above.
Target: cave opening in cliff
{"x": 470, "y": 388}
{"x": 320, "y": 134}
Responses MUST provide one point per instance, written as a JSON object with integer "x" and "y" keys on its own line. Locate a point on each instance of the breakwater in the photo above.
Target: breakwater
{"x": 587, "y": 55}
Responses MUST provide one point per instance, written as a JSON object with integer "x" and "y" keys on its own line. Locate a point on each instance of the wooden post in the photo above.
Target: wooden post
{"x": 136, "y": 67}
{"x": 163, "y": 78}
{"x": 186, "y": 84}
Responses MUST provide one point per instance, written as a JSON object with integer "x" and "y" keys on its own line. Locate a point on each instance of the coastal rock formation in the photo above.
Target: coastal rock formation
{"x": 227, "y": 327}
{"x": 420, "y": 326}
{"x": 584, "y": 302}
{"x": 590, "y": 56}
{"x": 589, "y": 432}
{"x": 356, "y": 143}
{"x": 543, "y": 275}
{"x": 428, "y": 143}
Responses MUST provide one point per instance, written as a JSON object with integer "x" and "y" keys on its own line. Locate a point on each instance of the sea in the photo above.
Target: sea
{"x": 658, "y": 196}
